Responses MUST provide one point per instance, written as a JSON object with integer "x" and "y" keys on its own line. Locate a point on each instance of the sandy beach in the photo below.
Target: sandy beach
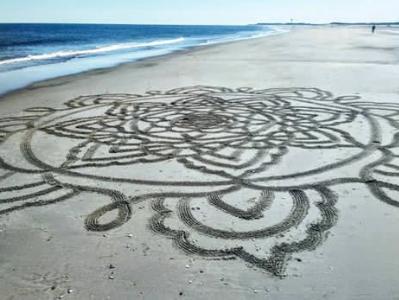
{"x": 259, "y": 169}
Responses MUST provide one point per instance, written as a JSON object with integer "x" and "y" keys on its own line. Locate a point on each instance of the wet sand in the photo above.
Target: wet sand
{"x": 259, "y": 169}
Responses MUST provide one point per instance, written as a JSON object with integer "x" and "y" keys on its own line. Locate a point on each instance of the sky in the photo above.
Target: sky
{"x": 196, "y": 11}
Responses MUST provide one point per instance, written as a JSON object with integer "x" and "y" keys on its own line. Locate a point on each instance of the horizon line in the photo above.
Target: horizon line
{"x": 210, "y": 24}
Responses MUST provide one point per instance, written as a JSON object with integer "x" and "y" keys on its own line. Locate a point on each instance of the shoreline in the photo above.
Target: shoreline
{"x": 181, "y": 53}
{"x": 277, "y": 30}
{"x": 281, "y": 29}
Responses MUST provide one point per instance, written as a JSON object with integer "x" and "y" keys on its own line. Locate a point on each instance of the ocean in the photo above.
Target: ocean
{"x": 35, "y": 52}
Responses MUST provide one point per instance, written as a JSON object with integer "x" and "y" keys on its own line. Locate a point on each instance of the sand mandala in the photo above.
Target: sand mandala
{"x": 228, "y": 173}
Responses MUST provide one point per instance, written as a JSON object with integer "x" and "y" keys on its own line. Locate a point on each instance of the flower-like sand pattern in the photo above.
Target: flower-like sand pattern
{"x": 233, "y": 173}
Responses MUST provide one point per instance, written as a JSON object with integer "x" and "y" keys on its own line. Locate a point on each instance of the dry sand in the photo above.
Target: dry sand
{"x": 260, "y": 169}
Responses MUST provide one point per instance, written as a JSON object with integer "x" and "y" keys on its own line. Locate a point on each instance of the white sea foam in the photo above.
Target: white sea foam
{"x": 390, "y": 31}
{"x": 110, "y": 48}
{"x": 256, "y": 35}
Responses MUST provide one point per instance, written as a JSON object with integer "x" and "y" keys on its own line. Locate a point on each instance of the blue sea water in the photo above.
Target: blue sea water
{"x": 34, "y": 52}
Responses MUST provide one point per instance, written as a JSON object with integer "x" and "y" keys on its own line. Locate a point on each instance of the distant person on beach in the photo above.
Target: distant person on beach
{"x": 373, "y": 29}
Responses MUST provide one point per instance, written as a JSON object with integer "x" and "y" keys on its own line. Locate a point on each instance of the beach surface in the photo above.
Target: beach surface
{"x": 258, "y": 169}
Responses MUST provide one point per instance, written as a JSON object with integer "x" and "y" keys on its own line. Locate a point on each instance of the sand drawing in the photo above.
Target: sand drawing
{"x": 229, "y": 173}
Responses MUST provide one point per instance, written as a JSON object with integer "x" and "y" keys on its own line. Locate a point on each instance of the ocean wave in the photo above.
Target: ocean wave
{"x": 109, "y": 48}
{"x": 4, "y": 42}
